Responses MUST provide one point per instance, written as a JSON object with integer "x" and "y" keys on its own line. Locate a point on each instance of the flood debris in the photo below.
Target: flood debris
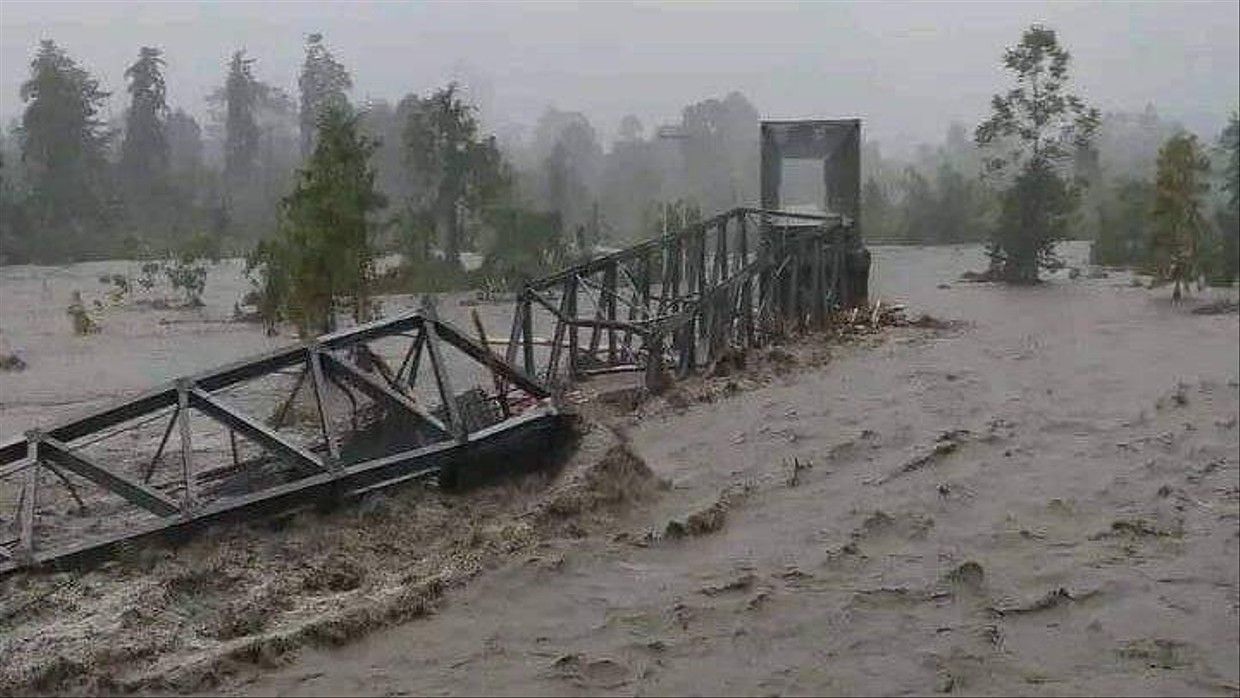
{"x": 1157, "y": 653}
{"x": 884, "y": 597}
{"x": 1222, "y": 307}
{"x": 968, "y": 575}
{"x": 1052, "y": 599}
{"x": 583, "y": 671}
{"x": 615, "y": 479}
{"x": 160, "y": 620}
{"x": 879, "y": 524}
{"x": 946, "y": 443}
{"x": 81, "y": 321}
{"x": 758, "y": 600}
{"x": 705, "y": 519}
{"x": 795, "y": 467}
{"x": 990, "y": 275}
{"x": 930, "y": 322}
{"x": 11, "y": 362}
{"x": 741, "y": 583}
{"x": 700, "y": 522}
{"x": 1177, "y": 397}
{"x": 1135, "y": 528}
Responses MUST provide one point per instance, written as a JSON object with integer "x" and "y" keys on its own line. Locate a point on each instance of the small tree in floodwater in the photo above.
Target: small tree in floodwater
{"x": 1031, "y": 137}
{"x": 1179, "y": 225}
{"x": 322, "y": 251}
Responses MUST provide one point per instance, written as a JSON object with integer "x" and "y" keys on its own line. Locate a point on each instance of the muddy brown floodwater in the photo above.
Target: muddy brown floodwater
{"x": 1040, "y": 495}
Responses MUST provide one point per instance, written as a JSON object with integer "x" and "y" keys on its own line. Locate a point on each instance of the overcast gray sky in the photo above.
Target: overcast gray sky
{"x": 908, "y": 69}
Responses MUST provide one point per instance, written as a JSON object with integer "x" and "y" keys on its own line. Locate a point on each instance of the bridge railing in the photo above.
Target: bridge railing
{"x": 94, "y": 482}
{"x": 681, "y": 300}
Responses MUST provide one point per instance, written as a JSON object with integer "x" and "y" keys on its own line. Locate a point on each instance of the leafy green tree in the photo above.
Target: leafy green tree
{"x": 1179, "y": 226}
{"x": 64, "y": 144}
{"x": 959, "y": 215}
{"x": 632, "y": 176}
{"x": 381, "y": 122}
{"x": 184, "y": 143}
{"x": 144, "y": 152}
{"x": 455, "y": 170}
{"x": 570, "y": 167}
{"x": 876, "y": 210}
{"x": 186, "y": 268}
{"x": 719, "y": 142}
{"x": 260, "y": 149}
{"x": 525, "y": 244}
{"x": 1032, "y": 135}
{"x": 15, "y": 239}
{"x": 571, "y": 161}
{"x": 323, "y": 252}
{"x": 323, "y": 83}
{"x": 1123, "y": 236}
{"x": 1224, "y": 263}
{"x": 918, "y": 206}
{"x": 1229, "y": 141}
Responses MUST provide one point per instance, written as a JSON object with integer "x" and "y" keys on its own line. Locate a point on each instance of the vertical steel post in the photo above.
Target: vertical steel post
{"x": 187, "y": 460}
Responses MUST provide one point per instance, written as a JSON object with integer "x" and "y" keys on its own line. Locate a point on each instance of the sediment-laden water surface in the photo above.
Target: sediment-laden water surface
{"x": 1037, "y": 493}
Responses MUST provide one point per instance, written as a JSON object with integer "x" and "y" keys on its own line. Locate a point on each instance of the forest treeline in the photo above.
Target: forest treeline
{"x": 941, "y": 195}
{"x": 74, "y": 186}
{"x": 159, "y": 180}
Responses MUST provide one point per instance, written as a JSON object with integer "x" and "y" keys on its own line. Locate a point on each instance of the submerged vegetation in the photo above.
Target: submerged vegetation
{"x": 1029, "y": 141}
{"x": 1182, "y": 223}
{"x": 1177, "y": 240}
{"x": 323, "y": 254}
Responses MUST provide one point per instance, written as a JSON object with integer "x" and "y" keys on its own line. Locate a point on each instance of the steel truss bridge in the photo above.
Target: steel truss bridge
{"x": 199, "y": 449}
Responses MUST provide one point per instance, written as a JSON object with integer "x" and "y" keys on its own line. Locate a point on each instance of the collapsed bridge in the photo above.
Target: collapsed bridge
{"x": 346, "y": 423}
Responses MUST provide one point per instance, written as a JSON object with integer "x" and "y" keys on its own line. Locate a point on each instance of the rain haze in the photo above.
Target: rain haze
{"x": 601, "y": 348}
{"x": 908, "y": 69}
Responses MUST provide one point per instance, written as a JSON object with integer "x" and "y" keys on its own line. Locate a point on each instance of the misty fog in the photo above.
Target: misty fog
{"x": 644, "y": 348}
{"x": 604, "y": 114}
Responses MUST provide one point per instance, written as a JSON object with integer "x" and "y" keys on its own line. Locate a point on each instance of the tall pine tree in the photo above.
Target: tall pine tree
{"x": 241, "y": 97}
{"x": 323, "y": 253}
{"x": 455, "y": 170}
{"x": 323, "y": 83}
{"x": 144, "y": 152}
{"x": 1225, "y": 265}
{"x": 1179, "y": 225}
{"x": 63, "y": 144}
